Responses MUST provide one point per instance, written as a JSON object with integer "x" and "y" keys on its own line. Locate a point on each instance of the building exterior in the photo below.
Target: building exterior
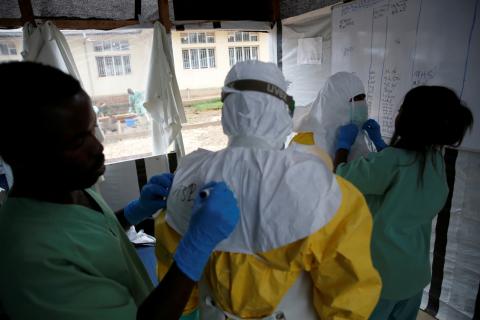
{"x": 203, "y": 58}
{"x": 10, "y": 46}
{"x": 109, "y": 63}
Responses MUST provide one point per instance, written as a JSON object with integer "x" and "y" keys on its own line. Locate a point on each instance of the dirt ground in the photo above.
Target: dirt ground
{"x": 202, "y": 130}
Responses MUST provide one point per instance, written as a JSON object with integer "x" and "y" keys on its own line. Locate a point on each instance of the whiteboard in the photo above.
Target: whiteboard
{"x": 394, "y": 45}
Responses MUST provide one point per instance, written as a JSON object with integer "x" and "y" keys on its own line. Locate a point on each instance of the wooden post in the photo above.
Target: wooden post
{"x": 27, "y": 11}
{"x": 275, "y": 10}
{"x": 164, "y": 14}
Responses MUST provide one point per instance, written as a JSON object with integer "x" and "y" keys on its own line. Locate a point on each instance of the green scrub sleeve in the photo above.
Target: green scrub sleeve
{"x": 372, "y": 174}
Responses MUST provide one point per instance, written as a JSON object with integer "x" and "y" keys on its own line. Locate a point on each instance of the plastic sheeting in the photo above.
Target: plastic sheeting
{"x": 163, "y": 100}
{"x": 306, "y": 79}
{"x": 46, "y": 44}
{"x": 462, "y": 259}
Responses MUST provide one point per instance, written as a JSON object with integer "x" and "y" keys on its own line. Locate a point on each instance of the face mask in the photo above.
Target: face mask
{"x": 359, "y": 112}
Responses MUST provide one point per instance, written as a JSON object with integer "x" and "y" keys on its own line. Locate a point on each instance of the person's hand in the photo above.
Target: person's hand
{"x": 152, "y": 198}
{"x": 214, "y": 217}
{"x": 373, "y": 129}
{"x": 346, "y": 136}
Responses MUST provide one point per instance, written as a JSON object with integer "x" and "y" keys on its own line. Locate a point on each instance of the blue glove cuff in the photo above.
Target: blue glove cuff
{"x": 380, "y": 145}
{"x": 343, "y": 145}
{"x": 131, "y": 212}
{"x": 190, "y": 258}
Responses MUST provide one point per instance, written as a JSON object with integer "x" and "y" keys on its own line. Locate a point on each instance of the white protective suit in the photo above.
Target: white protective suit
{"x": 331, "y": 109}
{"x": 293, "y": 219}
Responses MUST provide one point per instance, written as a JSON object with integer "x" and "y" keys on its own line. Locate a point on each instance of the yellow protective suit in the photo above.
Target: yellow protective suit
{"x": 336, "y": 258}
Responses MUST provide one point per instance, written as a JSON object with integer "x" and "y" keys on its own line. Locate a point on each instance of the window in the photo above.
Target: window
{"x": 113, "y": 66}
{"x": 210, "y": 37}
{"x": 254, "y": 53}
{"x": 124, "y": 45}
{"x": 98, "y": 46}
{"x": 8, "y": 49}
{"x": 116, "y": 45}
{"x": 237, "y": 54}
{"x": 197, "y": 37}
{"x": 194, "y": 58}
{"x": 192, "y": 37}
{"x": 101, "y": 66}
{"x": 126, "y": 64}
{"x": 111, "y": 45}
{"x": 117, "y": 60}
{"x": 184, "y": 38}
{"x": 231, "y": 56}
{"x": 186, "y": 59}
{"x": 198, "y": 58}
{"x": 211, "y": 57}
{"x": 246, "y": 53}
{"x": 238, "y": 36}
{"x": 203, "y": 59}
{"x": 107, "y": 45}
{"x": 242, "y": 36}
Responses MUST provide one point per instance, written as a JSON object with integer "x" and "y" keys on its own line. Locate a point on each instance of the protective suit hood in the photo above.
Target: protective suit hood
{"x": 255, "y": 119}
{"x": 331, "y": 109}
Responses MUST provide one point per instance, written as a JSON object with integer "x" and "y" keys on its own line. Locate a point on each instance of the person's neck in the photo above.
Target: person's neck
{"x": 37, "y": 191}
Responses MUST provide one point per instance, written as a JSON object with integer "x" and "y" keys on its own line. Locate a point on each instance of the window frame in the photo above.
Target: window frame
{"x": 235, "y": 51}
{"x": 199, "y": 58}
{"x": 104, "y": 69}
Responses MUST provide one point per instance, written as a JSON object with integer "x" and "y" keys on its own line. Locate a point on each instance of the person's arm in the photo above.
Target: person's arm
{"x": 120, "y": 214}
{"x": 346, "y": 137}
{"x": 169, "y": 298}
{"x": 346, "y": 284}
{"x": 153, "y": 197}
{"x": 341, "y": 156}
{"x": 215, "y": 202}
{"x": 373, "y": 174}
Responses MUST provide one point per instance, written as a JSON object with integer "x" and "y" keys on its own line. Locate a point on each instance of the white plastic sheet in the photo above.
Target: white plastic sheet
{"x": 462, "y": 259}
{"x": 306, "y": 79}
{"x": 45, "y": 44}
{"x": 163, "y": 100}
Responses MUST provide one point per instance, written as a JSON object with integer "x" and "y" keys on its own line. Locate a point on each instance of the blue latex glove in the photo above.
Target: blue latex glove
{"x": 346, "y": 136}
{"x": 152, "y": 198}
{"x": 215, "y": 215}
{"x": 373, "y": 129}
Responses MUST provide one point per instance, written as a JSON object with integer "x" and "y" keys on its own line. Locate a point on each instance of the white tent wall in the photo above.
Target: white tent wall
{"x": 453, "y": 293}
{"x": 306, "y": 78}
{"x": 455, "y": 248}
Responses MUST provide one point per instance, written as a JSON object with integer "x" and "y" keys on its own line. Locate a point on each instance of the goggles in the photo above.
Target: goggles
{"x": 263, "y": 87}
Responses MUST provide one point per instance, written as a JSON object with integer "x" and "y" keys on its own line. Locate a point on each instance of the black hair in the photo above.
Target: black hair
{"x": 29, "y": 91}
{"x": 429, "y": 118}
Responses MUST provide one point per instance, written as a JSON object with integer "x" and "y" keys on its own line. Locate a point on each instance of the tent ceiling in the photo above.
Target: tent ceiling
{"x": 185, "y": 10}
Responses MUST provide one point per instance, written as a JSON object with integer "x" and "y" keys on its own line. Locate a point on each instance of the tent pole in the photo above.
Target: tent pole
{"x": 26, "y": 11}
{"x": 164, "y": 14}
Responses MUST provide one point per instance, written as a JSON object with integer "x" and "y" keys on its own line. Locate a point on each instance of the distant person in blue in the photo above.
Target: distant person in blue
{"x": 135, "y": 102}
{"x": 405, "y": 187}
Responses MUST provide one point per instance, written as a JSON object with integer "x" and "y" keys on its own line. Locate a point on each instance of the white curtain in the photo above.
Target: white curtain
{"x": 45, "y": 44}
{"x": 163, "y": 100}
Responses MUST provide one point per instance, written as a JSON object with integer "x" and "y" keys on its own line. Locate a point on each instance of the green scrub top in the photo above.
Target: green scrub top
{"x": 67, "y": 262}
{"x": 403, "y": 208}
